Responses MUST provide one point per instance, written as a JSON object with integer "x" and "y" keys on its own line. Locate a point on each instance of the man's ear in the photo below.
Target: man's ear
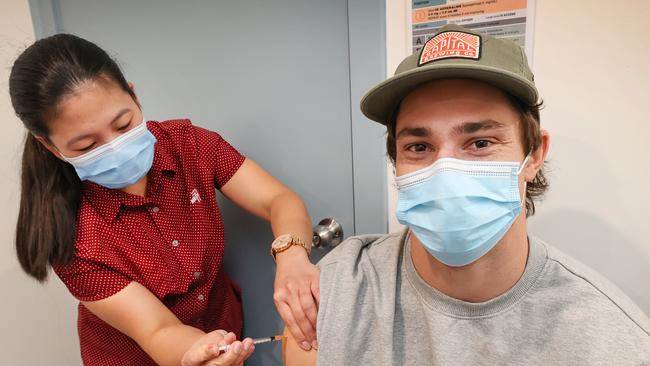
{"x": 537, "y": 158}
{"x": 46, "y": 144}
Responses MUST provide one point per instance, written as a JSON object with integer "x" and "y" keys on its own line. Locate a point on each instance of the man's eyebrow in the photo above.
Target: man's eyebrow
{"x": 471, "y": 127}
{"x": 414, "y": 131}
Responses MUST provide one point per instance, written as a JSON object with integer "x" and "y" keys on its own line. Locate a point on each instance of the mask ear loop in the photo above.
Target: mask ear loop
{"x": 65, "y": 158}
{"x": 523, "y": 164}
{"x": 521, "y": 169}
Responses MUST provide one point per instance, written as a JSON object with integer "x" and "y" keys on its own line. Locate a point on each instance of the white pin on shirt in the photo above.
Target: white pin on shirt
{"x": 195, "y": 196}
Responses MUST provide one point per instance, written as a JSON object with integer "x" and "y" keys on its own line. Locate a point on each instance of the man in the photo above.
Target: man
{"x": 466, "y": 284}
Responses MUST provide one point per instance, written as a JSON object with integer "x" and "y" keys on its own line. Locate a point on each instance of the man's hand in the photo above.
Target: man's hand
{"x": 297, "y": 295}
{"x": 205, "y": 351}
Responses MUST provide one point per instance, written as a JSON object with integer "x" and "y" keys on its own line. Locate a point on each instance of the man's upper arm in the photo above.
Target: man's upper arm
{"x": 293, "y": 355}
{"x": 345, "y": 254}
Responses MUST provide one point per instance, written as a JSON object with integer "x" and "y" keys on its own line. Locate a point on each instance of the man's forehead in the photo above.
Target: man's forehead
{"x": 423, "y": 129}
{"x": 456, "y": 90}
{"x": 457, "y": 104}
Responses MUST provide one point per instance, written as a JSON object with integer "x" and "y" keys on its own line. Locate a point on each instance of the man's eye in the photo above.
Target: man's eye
{"x": 481, "y": 144}
{"x": 417, "y": 147}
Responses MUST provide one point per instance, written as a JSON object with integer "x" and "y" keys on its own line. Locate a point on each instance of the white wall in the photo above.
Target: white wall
{"x": 591, "y": 62}
{"x": 38, "y": 322}
{"x": 591, "y": 66}
{"x": 398, "y": 46}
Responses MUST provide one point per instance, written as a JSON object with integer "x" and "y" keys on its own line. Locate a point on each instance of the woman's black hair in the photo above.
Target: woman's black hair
{"x": 47, "y": 72}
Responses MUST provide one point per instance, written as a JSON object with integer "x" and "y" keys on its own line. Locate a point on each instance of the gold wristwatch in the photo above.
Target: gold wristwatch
{"x": 284, "y": 242}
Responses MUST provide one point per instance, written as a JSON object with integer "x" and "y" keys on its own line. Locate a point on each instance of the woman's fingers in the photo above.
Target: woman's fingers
{"x": 299, "y": 309}
{"x": 296, "y": 296}
{"x": 247, "y": 350}
{"x": 302, "y": 320}
{"x": 287, "y": 316}
{"x": 229, "y": 357}
{"x": 227, "y": 338}
{"x": 206, "y": 351}
{"x": 309, "y": 307}
{"x": 206, "y": 348}
{"x": 236, "y": 354}
{"x": 315, "y": 290}
{"x": 200, "y": 354}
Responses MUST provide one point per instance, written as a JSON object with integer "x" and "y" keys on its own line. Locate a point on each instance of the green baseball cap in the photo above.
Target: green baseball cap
{"x": 454, "y": 52}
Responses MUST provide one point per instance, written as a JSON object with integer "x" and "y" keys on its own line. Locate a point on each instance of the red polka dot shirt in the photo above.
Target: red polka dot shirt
{"x": 171, "y": 241}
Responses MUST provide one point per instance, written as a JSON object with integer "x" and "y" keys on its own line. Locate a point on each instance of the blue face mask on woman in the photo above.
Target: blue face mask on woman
{"x": 119, "y": 163}
{"x": 460, "y": 209}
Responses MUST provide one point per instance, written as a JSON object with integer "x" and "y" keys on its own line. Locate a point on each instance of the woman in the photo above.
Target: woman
{"x": 125, "y": 212}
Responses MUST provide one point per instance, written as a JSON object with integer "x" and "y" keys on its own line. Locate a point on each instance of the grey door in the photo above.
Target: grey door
{"x": 281, "y": 80}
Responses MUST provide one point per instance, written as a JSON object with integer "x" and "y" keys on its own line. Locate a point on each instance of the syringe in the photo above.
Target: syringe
{"x": 257, "y": 341}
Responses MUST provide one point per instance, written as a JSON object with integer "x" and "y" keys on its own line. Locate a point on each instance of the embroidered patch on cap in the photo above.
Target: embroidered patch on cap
{"x": 452, "y": 44}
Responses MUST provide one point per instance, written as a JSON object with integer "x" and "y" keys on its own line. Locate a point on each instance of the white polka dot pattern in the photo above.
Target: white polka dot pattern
{"x": 171, "y": 241}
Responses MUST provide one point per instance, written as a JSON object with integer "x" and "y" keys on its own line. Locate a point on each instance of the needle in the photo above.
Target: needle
{"x": 257, "y": 341}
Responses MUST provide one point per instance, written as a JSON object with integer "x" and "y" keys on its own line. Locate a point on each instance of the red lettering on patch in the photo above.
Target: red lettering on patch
{"x": 451, "y": 44}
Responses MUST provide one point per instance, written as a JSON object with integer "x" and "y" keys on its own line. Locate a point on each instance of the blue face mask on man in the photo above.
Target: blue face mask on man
{"x": 460, "y": 209}
{"x": 119, "y": 163}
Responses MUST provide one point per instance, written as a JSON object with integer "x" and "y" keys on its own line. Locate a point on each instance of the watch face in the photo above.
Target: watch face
{"x": 281, "y": 241}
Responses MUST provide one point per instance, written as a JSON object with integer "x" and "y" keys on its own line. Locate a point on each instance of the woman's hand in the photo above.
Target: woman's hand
{"x": 139, "y": 314}
{"x": 297, "y": 295}
{"x": 205, "y": 351}
{"x": 296, "y": 279}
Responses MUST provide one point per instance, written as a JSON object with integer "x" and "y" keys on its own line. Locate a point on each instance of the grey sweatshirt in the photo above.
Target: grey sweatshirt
{"x": 376, "y": 310}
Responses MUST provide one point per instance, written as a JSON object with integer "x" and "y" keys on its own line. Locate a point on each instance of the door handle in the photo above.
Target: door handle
{"x": 327, "y": 234}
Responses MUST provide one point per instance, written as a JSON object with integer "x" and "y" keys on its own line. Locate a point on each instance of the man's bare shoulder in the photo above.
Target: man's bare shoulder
{"x": 293, "y": 355}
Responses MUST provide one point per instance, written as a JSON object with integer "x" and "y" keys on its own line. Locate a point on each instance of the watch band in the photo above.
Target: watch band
{"x": 294, "y": 241}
